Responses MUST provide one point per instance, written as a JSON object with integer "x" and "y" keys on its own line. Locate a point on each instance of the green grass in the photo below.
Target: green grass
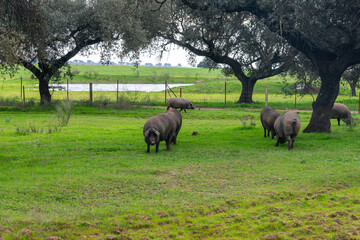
{"x": 93, "y": 179}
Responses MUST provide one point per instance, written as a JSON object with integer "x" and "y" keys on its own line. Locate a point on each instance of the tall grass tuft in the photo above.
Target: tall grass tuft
{"x": 63, "y": 112}
{"x": 354, "y": 123}
{"x": 29, "y": 127}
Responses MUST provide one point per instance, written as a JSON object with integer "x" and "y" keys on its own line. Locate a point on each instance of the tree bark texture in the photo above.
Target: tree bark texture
{"x": 353, "y": 88}
{"x": 247, "y": 91}
{"x": 320, "y": 118}
{"x": 45, "y": 96}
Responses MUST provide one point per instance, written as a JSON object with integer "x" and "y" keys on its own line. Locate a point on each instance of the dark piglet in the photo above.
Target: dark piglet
{"x": 176, "y": 115}
{"x": 268, "y": 117}
{"x": 287, "y": 127}
{"x": 181, "y": 103}
{"x": 341, "y": 111}
{"x": 160, "y": 127}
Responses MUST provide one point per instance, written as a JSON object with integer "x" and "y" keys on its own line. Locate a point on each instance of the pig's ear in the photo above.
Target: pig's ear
{"x": 155, "y": 131}
{"x": 146, "y": 134}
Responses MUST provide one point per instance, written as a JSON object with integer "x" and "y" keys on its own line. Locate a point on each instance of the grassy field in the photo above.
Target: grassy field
{"x": 93, "y": 179}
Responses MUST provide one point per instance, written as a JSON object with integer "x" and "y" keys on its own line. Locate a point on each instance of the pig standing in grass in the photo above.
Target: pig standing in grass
{"x": 176, "y": 115}
{"x": 181, "y": 103}
{"x": 287, "y": 127}
{"x": 340, "y": 111}
{"x": 160, "y": 127}
{"x": 268, "y": 117}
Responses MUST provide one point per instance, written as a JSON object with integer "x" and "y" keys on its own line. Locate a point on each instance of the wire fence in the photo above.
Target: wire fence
{"x": 117, "y": 92}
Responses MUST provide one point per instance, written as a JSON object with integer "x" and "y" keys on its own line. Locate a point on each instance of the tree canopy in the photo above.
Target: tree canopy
{"x": 246, "y": 47}
{"x": 14, "y": 15}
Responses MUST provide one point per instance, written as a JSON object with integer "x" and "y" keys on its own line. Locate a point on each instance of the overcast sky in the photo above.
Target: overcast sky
{"x": 173, "y": 56}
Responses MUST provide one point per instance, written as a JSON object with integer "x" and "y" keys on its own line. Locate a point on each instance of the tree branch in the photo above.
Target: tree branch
{"x": 57, "y": 64}
{"x": 161, "y": 2}
{"x": 296, "y": 39}
{"x": 236, "y": 66}
{"x": 355, "y": 57}
{"x": 31, "y": 67}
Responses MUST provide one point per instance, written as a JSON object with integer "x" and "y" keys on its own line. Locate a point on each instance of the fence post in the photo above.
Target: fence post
{"x": 67, "y": 89}
{"x": 165, "y": 90}
{"x": 117, "y": 90}
{"x": 91, "y": 93}
{"x": 21, "y": 89}
{"x": 295, "y": 95}
{"x": 266, "y": 96}
{"x": 225, "y": 92}
{"x": 23, "y": 94}
{"x": 180, "y": 92}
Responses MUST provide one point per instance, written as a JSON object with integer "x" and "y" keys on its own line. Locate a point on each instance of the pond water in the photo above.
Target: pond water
{"x": 113, "y": 87}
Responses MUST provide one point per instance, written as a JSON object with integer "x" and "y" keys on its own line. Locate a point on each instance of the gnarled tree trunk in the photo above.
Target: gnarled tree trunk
{"x": 353, "y": 88}
{"x": 247, "y": 91}
{"x": 329, "y": 90}
{"x": 45, "y": 96}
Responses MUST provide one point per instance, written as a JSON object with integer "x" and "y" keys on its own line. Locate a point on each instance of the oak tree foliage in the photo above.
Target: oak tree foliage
{"x": 327, "y": 32}
{"x": 244, "y": 46}
{"x": 54, "y": 31}
{"x": 352, "y": 77}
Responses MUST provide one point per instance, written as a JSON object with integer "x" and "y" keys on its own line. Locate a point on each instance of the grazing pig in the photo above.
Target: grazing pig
{"x": 158, "y": 128}
{"x": 176, "y": 115}
{"x": 181, "y": 103}
{"x": 287, "y": 127}
{"x": 340, "y": 111}
{"x": 268, "y": 117}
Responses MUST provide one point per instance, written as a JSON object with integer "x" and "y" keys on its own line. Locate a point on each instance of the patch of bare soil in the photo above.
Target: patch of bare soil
{"x": 4, "y": 229}
{"x": 162, "y": 214}
{"x": 52, "y": 238}
{"x": 25, "y": 231}
{"x": 272, "y": 237}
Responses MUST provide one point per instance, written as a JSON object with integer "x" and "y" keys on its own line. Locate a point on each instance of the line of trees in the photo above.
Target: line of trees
{"x": 253, "y": 39}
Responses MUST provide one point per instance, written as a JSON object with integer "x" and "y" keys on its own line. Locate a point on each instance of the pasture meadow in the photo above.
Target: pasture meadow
{"x": 92, "y": 178}
{"x": 208, "y": 89}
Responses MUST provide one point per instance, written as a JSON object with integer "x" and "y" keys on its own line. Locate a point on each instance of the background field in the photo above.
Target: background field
{"x": 93, "y": 179}
{"x": 208, "y": 89}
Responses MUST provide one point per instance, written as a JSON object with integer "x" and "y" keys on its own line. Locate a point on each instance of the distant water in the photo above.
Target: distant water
{"x": 113, "y": 87}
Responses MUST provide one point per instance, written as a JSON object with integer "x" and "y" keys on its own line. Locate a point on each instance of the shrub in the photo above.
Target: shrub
{"x": 244, "y": 119}
{"x": 75, "y": 71}
{"x": 91, "y": 74}
{"x": 101, "y": 102}
{"x": 8, "y": 101}
{"x": 63, "y": 112}
{"x": 122, "y": 103}
{"x": 166, "y": 75}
